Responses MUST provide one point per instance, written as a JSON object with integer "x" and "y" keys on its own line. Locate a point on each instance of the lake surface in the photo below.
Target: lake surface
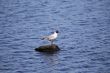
{"x": 84, "y": 36}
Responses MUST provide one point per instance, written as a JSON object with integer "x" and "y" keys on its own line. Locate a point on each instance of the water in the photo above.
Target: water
{"x": 84, "y": 37}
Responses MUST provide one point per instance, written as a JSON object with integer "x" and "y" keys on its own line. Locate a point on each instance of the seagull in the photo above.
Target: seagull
{"x": 51, "y": 37}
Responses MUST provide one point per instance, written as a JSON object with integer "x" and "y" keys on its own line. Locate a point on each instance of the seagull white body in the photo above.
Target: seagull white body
{"x": 51, "y": 37}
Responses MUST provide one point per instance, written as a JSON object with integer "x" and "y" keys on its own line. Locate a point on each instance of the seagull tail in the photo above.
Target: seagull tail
{"x": 43, "y": 38}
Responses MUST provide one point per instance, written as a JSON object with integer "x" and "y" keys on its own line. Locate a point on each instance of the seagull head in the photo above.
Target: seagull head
{"x": 57, "y": 31}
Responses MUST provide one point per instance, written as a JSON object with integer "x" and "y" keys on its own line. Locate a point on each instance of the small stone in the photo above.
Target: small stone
{"x": 48, "y": 48}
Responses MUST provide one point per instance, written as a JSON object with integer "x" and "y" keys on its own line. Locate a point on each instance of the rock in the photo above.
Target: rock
{"x": 48, "y": 48}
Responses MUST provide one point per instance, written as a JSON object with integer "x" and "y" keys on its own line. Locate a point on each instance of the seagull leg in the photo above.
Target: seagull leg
{"x": 51, "y": 42}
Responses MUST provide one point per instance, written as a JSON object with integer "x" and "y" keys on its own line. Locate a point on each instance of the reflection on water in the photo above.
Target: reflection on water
{"x": 50, "y": 59}
{"x": 84, "y": 36}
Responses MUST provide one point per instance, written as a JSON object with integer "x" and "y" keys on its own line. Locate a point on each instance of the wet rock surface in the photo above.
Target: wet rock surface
{"x": 48, "y": 48}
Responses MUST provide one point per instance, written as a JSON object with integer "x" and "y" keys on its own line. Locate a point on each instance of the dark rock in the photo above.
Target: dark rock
{"x": 48, "y": 48}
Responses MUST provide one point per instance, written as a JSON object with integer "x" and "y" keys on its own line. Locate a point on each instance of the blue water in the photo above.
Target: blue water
{"x": 84, "y": 36}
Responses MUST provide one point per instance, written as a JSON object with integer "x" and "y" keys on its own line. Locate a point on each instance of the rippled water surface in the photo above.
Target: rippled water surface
{"x": 84, "y": 36}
